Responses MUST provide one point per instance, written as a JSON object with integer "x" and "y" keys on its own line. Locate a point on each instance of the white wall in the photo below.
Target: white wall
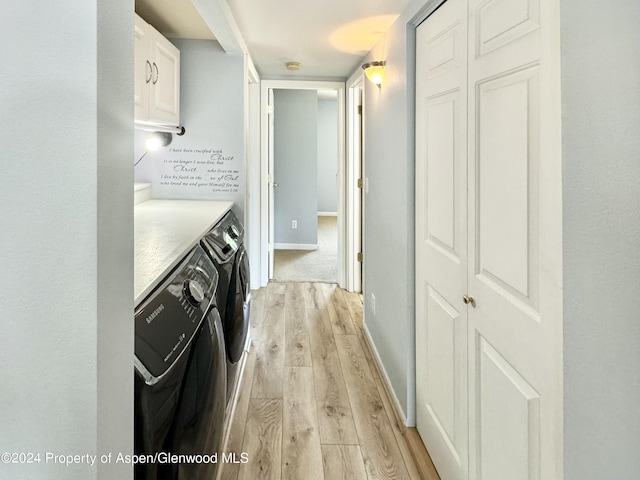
{"x": 67, "y": 235}
{"x": 208, "y": 161}
{"x": 601, "y": 199}
{"x": 328, "y": 155}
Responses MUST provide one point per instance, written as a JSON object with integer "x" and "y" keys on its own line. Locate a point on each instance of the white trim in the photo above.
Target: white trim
{"x": 395, "y": 403}
{"x": 265, "y": 87}
{"x": 327, "y": 214}
{"x": 295, "y": 246}
{"x": 252, "y": 170}
{"x": 219, "y": 19}
{"x": 355, "y": 209}
{"x": 425, "y": 11}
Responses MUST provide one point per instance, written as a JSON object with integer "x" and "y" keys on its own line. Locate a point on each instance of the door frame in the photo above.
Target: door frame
{"x": 266, "y": 171}
{"x": 354, "y": 195}
{"x": 252, "y": 169}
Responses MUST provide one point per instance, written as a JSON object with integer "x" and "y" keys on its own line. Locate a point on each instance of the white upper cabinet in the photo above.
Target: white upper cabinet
{"x": 157, "y": 77}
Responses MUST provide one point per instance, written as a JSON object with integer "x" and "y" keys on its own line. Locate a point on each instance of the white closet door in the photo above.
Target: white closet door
{"x": 441, "y": 238}
{"x": 515, "y": 332}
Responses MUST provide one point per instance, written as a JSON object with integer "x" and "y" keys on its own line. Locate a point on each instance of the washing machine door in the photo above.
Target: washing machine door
{"x": 201, "y": 413}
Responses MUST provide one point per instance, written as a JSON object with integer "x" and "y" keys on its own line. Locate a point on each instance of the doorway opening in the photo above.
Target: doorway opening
{"x": 305, "y": 182}
{"x": 274, "y": 194}
{"x": 349, "y": 219}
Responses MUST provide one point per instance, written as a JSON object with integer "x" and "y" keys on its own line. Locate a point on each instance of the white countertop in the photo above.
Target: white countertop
{"x": 164, "y": 232}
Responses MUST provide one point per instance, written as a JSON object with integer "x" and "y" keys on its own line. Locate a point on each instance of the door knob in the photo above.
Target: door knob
{"x": 468, "y": 300}
{"x": 275, "y": 184}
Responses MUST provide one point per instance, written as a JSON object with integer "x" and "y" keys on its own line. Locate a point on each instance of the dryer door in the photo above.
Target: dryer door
{"x": 237, "y": 329}
{"x": 244, "y": 275}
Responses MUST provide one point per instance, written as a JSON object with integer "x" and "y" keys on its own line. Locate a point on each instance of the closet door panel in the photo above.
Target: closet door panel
{"x": 441, "y": 238}
{"x": 515, "y": 367}
{"x": 440, "y": 174}
{"x": 505, "y": 397}
{"x": 507, "y": 185}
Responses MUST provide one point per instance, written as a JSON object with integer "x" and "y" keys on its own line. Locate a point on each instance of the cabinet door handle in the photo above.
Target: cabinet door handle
{"x": 157, "y": 73}
{"x": 147, "y": 80}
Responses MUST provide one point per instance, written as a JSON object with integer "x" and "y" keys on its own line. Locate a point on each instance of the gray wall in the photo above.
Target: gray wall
{"x": 212, "y": 85}
{"x": 601, "y": 203}
{"x": 67, "y": 235}
{"x": 295, "y": 166}
{"x": 389, "y": 208}
{"x": 327, "y": 155}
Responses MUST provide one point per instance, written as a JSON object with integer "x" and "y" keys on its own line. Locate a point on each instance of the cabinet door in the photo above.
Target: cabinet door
{"x": 165, "y": 82}
{"x": 142, "y": 66}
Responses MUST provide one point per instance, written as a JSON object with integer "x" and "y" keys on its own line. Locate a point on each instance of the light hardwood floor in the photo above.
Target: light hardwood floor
{"x": 312, "y": 405}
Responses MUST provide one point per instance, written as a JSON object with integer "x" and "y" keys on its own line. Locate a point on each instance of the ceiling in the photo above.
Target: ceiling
{"x": 328, "y": 37}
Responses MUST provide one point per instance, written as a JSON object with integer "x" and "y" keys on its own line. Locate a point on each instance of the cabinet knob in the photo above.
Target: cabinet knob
{"x": 468, "y": 300}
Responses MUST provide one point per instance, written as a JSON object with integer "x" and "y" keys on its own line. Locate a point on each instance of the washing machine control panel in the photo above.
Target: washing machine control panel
{"x": 194, "y": 292}
{"x": 169, "y": 318}
{"x": 200, "y": 280}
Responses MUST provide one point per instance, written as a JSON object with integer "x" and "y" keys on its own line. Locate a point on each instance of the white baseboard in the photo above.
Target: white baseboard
{"x": 295, "y": 246}
{"x": 386, "y": 383}
{"x": 327, "y": 214}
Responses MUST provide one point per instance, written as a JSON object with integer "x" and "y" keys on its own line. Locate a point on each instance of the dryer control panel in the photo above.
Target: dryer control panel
{"x": 168, "y": 319}
{"x": 224, "y": 240}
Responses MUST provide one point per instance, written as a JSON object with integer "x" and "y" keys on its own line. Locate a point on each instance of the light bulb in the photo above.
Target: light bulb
{"x": 157, "y": 140}
{"x": 152, "y": 143}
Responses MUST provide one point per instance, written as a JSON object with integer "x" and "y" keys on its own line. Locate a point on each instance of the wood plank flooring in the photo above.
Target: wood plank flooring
{"x": 312, "y": 405}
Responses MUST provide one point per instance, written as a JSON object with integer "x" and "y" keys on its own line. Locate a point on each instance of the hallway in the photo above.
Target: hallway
{"x": 312, "y": 405}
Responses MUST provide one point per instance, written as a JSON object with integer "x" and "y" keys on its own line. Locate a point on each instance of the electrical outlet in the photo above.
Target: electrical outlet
{"x": 294, "y": 224}
{"x": 373, "y": 304}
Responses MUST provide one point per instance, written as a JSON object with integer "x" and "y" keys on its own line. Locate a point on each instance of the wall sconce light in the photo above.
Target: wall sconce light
{"x": 154, "y": 142}
{"x": 375, "y": 71}
{"x": 157, "y": 140}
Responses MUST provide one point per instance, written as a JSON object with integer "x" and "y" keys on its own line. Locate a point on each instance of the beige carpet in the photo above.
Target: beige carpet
{"x": 311, "y": 265}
